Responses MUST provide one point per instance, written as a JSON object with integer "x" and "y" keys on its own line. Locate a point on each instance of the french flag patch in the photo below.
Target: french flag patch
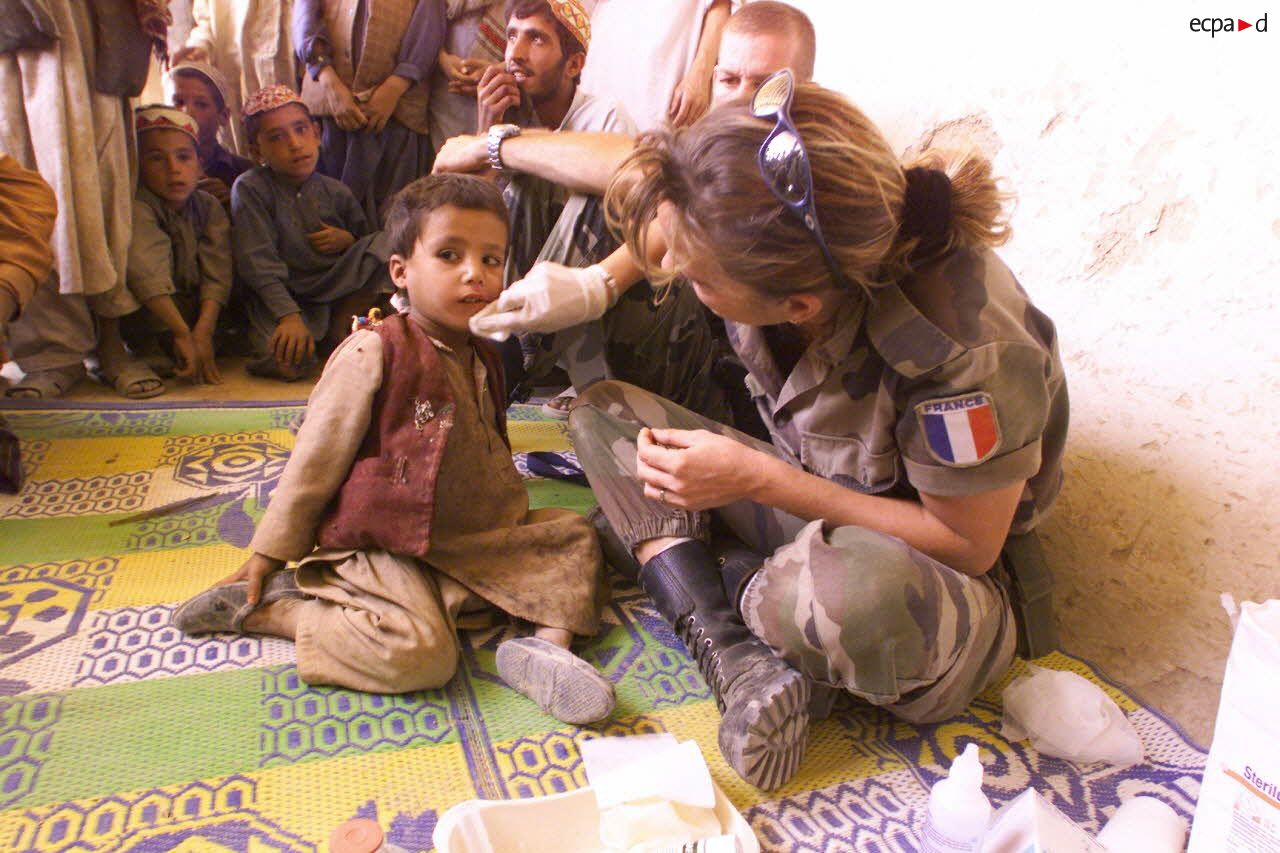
{"x": 960, "y": 431}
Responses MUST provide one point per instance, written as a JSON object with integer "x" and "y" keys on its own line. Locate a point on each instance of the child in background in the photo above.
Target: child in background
{"x": 200, "y": 91}
{"x": 248, "y": 42}
{"x": 402, "y": 480}
{"x": 179, "y": 257}
{"x": 303, "y": 247}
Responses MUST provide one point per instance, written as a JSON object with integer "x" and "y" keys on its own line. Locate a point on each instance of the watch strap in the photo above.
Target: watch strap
{"x": 497, "y": 134}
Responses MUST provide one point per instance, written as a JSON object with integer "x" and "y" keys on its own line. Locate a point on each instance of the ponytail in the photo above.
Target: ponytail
{"x": 951, "y": 201}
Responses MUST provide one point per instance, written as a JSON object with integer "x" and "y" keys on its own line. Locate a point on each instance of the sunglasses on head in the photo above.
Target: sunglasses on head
{"x": 784, "y": 162}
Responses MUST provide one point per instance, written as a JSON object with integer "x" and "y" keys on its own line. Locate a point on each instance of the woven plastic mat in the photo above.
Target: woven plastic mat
{"x": 117, "y": 732}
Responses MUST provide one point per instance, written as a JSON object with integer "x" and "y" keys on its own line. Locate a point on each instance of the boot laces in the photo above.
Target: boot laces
{"x": 705, "y": 655}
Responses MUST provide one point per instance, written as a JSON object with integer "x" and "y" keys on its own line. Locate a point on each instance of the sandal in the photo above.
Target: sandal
{"x": 223, "y": 608}
{"x": 46, "y": 384}
{"x": 134, "y": 380}
{"x": 558, "y": 408}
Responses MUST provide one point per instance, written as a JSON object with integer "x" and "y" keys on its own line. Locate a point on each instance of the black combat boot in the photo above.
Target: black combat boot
{"x": 763, "y": 701}
{"x": 738, "y": 565}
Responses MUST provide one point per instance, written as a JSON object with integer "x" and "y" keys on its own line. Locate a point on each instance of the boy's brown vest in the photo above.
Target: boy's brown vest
{"x": 388, "y": 21}
{"x": 388, "y": 499}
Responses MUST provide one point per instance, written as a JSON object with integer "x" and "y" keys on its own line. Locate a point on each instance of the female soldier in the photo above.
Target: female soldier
{"x": 914, "y": 398}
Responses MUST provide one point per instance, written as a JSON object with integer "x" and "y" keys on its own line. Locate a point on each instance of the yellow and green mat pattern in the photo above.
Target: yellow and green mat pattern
{"x": 117, "y": 732}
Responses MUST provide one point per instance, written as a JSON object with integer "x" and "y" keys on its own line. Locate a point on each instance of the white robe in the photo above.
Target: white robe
{"x": 81, "y": 141}
{"x": 640, "y": 51}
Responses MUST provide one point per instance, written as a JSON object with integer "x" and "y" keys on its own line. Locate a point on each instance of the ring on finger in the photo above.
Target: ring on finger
{"x": 662, "y": 496}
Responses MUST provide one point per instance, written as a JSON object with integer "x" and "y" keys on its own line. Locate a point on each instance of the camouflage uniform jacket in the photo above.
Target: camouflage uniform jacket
{"x": 948, "y": 382}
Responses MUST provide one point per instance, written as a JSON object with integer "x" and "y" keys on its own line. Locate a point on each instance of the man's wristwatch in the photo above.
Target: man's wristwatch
{"x": 497, "y": 133}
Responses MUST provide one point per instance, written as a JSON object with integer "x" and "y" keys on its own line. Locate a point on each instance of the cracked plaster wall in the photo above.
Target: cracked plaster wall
{"x": 1144, "y": 158}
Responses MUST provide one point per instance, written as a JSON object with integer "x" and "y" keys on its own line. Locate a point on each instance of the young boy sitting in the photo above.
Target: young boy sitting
{"x": 303, "y": 246}
{"x": 179, "y": 264}
{"x": 402, "y": 480}
{"x": 200, "y": 91}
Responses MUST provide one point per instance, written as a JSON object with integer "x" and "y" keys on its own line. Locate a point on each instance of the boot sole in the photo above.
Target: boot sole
{"x": 764, "y": 738}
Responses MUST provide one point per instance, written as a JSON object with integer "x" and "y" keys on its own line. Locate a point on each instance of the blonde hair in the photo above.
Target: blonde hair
{"x": 723, "y": 208}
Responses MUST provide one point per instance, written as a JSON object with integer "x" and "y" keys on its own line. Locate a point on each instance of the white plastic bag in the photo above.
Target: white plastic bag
{"x": 1069, "y": 717}
{"x": 1239, "y": 807}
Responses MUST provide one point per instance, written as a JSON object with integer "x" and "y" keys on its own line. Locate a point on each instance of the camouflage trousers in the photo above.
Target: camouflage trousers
{"x": 847, "y": 606}
{"x": 666, "y": 346}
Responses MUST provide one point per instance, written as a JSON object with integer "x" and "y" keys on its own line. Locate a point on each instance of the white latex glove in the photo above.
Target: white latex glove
{"x": 550, "y": 298}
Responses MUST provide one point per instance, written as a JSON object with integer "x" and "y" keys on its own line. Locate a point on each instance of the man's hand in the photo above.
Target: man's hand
{"x": 254, "y": 570}
{"x": 690, "y": 99}
{"x": 215, "y": 188}
{"x": 331, "y": 240}
{"x": 468, "y": 154}
{"x": 382, "y": 103}
{"x": 339, "y": 102}
{"x": 206, "y": 368}
{"x": 551, "y": 297}
{"x": 496, "y": 93}
{"x": 188, "y": 54}
{"x": 696, "y": 469}
{"x": 463, "y": 74}
{"x": 291, "y": 343}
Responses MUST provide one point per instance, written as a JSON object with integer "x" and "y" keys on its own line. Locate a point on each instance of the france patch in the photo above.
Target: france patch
{"x": 960, "y": 431}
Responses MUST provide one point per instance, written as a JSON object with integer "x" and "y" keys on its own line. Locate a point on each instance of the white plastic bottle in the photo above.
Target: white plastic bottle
{"x": 958, "y": 810}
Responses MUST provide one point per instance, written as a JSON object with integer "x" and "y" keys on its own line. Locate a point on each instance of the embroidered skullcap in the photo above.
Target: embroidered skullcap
{"x": 211, "y": 75}
{"x": 271, "y": 98}
{"x": 572, "y": 14}
{"x": 161, "y": 117}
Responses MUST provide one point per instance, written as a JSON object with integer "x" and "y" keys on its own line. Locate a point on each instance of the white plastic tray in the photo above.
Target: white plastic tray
{"x": 559, "y": 823}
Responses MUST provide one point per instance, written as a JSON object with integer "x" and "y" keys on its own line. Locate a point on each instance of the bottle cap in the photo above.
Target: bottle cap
{"x": 967, "y": 767}
{"x": 356, "y": 836}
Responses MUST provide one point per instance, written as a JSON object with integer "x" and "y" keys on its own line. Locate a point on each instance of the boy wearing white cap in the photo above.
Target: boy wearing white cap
{"x": 179, "y": 258}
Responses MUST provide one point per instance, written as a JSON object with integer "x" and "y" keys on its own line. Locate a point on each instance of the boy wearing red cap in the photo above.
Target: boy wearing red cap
{"x": 304, "y": 247}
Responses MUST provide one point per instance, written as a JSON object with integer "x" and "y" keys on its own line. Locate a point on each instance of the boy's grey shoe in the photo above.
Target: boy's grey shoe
{"x": 224, "y": 608}
{"x": 561, "y": 683}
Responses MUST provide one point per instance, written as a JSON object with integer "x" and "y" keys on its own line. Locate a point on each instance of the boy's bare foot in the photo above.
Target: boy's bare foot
{"x": 277, "y": 619}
